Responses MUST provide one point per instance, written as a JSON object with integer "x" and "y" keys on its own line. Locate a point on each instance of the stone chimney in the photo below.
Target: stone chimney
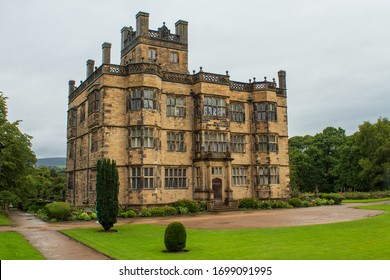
{"x": 282, "y": 79}
{"x": 71, "y": 86}
{"x": 125, "y": 33}
{"x": 90, "y": 65}
{"x": 142, "y": 24}
{"x": 282, "y": 82}
{"x": 182, "y": 30}
{"x": 106, "y": 53}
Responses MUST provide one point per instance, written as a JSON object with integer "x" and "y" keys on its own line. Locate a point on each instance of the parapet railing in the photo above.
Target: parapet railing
{"x": 252, "y": 86}
{"x": 168, "y": 36}
{"x": 153, "y": 68}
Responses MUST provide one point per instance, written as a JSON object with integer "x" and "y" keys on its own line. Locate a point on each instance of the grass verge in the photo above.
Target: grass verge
{"x": 4, "y": 221}
{"x": 366, "y": 200}
{"x": 13, "y": 246}
{"x": 364, "y": 239}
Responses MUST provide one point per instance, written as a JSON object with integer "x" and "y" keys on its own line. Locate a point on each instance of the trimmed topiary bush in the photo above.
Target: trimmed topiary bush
{"x": 58, "y": 210}
{"x": 163, "y": 211}
{"x": 266, "y": 204}
{"x": 182, "y": 210}
{"x": 131, "y": 213}
{"x": 295, "y": 202}
{"x": 306, "y": 203}
{"x": 249, "y": 203}
{"x": 191, "y": 205}
{"x": 337, "y": 198}
{"x": 202, "y": 205}
{"x": 281, "y": 204}
{"x": 175, "y": 237}
{"x": 145, "y": 212}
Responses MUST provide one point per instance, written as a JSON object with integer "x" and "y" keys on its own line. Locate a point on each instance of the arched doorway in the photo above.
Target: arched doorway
{"x": 217, "y": 188}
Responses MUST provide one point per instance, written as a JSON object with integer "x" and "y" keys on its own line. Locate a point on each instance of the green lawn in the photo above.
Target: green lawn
{"x": 365, "y": 200}
{"x": 13, "y": 246}
{"x": 4, "y": 221}
{"x": 357, "y": 240}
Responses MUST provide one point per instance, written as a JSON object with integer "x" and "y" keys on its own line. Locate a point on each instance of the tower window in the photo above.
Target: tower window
{"x": 142, "y": 98}
{"x": 267, "y": 175}
{"x": 82, "y": 113}
{"x": 239, "y": 176}
{"x": 175, "y": 178}
{"x": 72, "y": 117}
{"x": 93, "y": 102}
{"x": 175, "y": 141}
{"x": 94, "y": 141}
{"x": 176, "y": 106}
{"x": 214, "y": 106}
{"x": 237, "y": 142}
{"x": 152, "y": 54}
{"x": 237, "y": 112}
{"x": 215, "y": 142}
{"x": 265, "y": 111}
{"x": 174, "y": 57}
{"x": 142, "y": 137}
{"x": 266, "y": 143}
{"x": 142, "y": 178}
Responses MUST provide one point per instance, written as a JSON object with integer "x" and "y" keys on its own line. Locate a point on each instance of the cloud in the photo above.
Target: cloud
{"x": 335, "y": 54}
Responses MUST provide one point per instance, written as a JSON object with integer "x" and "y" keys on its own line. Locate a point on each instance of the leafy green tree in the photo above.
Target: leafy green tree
{"x": 7, "y": 198}
{"x": 373, "y": 142}
{"x": 328, "y": 144}
{"x": 16, "y": 157}
{"x": 313, "y": 160}
{"x": 331, "y": 161}
{"x": 49, "y": 183}
{"x": 107, "y": 187}
{"x": 348, "y": 168}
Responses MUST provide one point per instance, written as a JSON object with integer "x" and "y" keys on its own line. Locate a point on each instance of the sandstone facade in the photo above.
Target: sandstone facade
{"x": 174, "y": 134}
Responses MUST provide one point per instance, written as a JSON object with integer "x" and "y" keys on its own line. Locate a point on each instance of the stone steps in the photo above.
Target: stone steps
{"x": 224, "y": 208}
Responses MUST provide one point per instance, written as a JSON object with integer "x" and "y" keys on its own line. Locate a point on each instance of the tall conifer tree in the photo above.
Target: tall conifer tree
{"x": 107, "y": 187}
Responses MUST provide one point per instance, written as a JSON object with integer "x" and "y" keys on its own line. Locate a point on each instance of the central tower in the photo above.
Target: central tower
{"x": 168, "y": 50}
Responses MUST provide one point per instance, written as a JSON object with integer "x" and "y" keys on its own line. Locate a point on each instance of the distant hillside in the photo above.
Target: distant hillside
{"x": 58, "y": 162}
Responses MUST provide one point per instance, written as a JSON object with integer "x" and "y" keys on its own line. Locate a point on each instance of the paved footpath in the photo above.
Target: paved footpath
{"x": 55, "y": 246}
{"x": 52, "y": 244}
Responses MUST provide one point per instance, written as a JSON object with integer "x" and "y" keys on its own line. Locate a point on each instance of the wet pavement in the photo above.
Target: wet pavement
{"x": 53, "y": 245}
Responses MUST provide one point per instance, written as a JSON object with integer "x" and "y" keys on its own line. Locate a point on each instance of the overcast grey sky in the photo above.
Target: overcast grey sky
{"x": 336, "y": 54}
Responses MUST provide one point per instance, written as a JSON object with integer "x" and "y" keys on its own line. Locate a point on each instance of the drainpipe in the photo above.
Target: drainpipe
{"x": 192, "y": 94}
{"x": 250, "y": 101}
{"x": 87, "y": 162}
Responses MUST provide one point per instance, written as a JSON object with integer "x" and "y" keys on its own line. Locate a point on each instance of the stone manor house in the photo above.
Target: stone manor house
{"x": 175, "y": 134}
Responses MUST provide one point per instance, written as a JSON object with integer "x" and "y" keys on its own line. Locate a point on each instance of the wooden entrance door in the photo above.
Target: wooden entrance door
{"x": 217, "y": 188}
